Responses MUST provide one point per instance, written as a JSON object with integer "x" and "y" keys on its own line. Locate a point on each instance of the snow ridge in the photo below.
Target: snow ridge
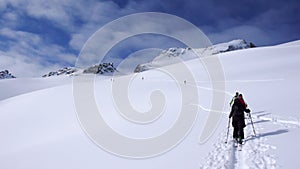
{"x": 63, "y": 71}
{"x": 102, "y": 68}
{"x": 169, "y": 56}
{"x": 230, "y": 46}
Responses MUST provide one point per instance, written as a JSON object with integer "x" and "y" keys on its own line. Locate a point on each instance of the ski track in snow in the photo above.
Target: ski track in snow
{"x": 255, "y": 151}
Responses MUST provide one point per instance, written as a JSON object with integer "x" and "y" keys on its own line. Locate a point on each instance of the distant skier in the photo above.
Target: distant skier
{"x": 238, "y": 119}
{"x": 233, "y": 98}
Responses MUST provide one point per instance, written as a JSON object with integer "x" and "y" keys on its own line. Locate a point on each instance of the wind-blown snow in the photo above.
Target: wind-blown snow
{"x": 40, "y": 129}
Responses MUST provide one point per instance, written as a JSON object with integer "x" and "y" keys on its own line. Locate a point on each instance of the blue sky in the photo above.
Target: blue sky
{"x": 41, "y": 36}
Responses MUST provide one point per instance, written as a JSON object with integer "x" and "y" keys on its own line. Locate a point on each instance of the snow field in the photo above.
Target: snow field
{"x": 39, "y": 126}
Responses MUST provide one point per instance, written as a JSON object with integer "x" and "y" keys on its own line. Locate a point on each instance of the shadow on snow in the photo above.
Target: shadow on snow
{"x": 272, "y": 133}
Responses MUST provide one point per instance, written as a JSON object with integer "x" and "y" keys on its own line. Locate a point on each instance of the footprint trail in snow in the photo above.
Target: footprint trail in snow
{"x": 255, "y": 152}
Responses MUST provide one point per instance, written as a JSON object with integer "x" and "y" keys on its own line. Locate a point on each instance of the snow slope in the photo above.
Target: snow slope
{"x": 17, "y": 86}
{"x": 268, "y": 79}
{"x": 293, "y": 43}
{"x": 40, "y": 128}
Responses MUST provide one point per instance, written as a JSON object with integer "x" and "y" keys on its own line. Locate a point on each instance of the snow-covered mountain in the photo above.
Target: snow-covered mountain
{"x": 102, "y": 68}
{"x": 6, "y": 75}
{"x": 63, "y": 71}
{"x": 170, "y": 55}
{"x": 41, "y": 128}
{"x": 230, "y": 46}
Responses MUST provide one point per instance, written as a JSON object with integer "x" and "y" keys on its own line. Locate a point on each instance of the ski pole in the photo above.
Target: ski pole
{"x": 227, "y": 131}
{"x": 252, "y": 124}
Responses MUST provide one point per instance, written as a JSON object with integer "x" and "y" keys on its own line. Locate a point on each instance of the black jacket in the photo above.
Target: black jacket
{"x": 237, "y": 114}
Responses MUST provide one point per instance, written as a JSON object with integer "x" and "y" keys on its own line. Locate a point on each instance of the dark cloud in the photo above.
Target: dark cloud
{"x": 121, "y": 3}
{"x": 278, "y": 19}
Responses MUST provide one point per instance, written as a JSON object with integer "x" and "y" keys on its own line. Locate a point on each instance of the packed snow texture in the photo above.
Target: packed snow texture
{"x": 39, "y": 126}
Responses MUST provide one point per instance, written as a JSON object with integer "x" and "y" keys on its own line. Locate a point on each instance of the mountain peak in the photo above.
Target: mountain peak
{"x": 6, "y": 75}
{"x": 102, "y": 68}
{"x": 165, "y": 57}
{"x": 236, "y": 44}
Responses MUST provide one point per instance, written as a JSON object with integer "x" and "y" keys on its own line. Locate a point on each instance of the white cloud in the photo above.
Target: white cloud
{"x": 110, "y": 35}
{"x": 56, "y": 11}
{"x": 20, "y": 35}
{"x": 67, "y": 57}
{"x": 33, "y": 45}
{"x": 23, "y": 66}
{"x": 28, "y": 51}
{"x": 65, "y": 13}
{"x": 97, "y": 15}
{"x": 2, "y": 5}
{"x": 10, "y": 16}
